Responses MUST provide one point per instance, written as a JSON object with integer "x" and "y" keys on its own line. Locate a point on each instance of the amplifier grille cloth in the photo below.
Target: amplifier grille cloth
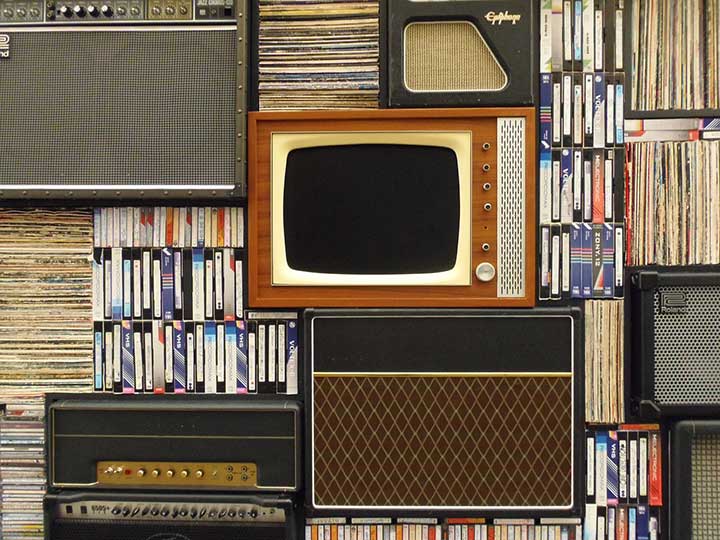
{"x": 118, "y": 107}
{"x": 687, "y": 370}
{"x": 442, "y": 441}
{"x": 446, "y": 56}
{"x": 511, "y": 207}
{"x": 705, "y": 487}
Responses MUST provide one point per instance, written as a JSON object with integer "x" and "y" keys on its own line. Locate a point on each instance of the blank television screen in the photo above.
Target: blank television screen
{"x": 371, "y": 209}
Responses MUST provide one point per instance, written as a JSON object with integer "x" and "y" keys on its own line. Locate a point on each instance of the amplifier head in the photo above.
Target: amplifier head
{"x": 143, "y": 516}
{"x": 164, "y": 443}
{"x": 444, "y": 411}
{"x": 123, "y": 103}
{"x": 695, "y": 479}
{"x": 675, "y": 351}
{"x": 462, "y": 53}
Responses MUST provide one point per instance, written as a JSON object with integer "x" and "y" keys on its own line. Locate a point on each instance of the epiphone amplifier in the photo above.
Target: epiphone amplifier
{"x": 122, "y": 98}
{"x": 444, "y": 410}
{"x": 157, "y": 443}
{"x": 695, "y": 480}
{"x": 145, "y": 516}
{"x": 392, "y": 208}
{"x": 675, "y": 347}
{"x": 462, "y": 53}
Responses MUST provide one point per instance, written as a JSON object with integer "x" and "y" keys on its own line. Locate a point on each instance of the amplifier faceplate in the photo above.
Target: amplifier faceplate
{"x": 176, "y": 474}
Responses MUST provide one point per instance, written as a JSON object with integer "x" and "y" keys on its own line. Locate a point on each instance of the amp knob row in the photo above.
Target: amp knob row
{"x": 93, "y": 11}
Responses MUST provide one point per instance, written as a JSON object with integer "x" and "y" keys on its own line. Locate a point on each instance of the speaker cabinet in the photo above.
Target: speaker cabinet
{"x": 675, "y": 350}
{"x": 122, "y": 110}
{"x": 695, "y": 480}
{"x": 444, "y": 410}
{"x": 462, "y": 53}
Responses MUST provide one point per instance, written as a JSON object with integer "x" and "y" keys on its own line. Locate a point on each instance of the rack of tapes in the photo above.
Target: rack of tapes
{"x": 168, "y": 306}
{"x": 359, "y": 528}
{"x": 624, "y": 484}
{"x": 582, "y": 159}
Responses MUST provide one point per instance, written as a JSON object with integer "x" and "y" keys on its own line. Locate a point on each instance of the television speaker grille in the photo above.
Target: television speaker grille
{"x": 686, "y": 369}
{"x": 134, "y": 106}
{"x": 449, "y": 56}
{"x": 511, "y": 207}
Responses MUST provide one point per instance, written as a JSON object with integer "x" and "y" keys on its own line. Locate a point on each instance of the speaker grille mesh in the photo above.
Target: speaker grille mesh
{"x": 511, "y": 207}
{"x": 118, "y": 107}
{"x": 442, "y": 441}
{"x": 687, "y": 370}
{"x": 447, "y": 56}
{"x": 705, "y": 487}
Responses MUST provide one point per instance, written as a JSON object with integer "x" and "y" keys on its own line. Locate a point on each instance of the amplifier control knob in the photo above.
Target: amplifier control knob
{"x": 183, "y": 512}
{"x": 93, "y": 11}
{"x": 21, "y": 12}
{"x": 65, "y": 11}
{"x": 8, "y": 13}
{"x": 141, "y": 472}
{"x": 154, "y": 512}
{"x": 203, "y": 511}
{"x": 183, "y": 10}
{"x": 145, "y": 510}
{"x": 253, "y": 513}
{"x": 134, "y": 11}
{"x": 170, "y": 473}
{"x": 116, "y": 510}
{"x": 135, "y": 511}
{"x": 164, "y": 512}
{"x": 106, "y": 10}
{"x": 199, "y": 473}
{"x": 126, "y": 511}
{"x": 193, "y": 513}
{"x": 155, "y": 473}
{"x": 170, "y": 10}
{"x": 175, "y": 513}
{"x": 121, "y": 11}
{"x": 231, "y": 513}
{"x": 34, "y": 13}
{"x": 212, "y": 514}
{"x": 184, "y": 473}
{"x": 485, "y": 272}
{"x": 79, "y": 11}
{"x": 222, "y": 513}
{"x": 156, "y": 10}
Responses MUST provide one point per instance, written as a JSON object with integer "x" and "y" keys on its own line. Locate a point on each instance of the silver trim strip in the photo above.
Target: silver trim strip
{"x": 116, "y": 28}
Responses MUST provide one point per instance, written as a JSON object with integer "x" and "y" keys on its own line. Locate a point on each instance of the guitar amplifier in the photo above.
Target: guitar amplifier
{"x": 675, "y": 350}
{"x": 157, "y": 442}
{"x": 465, "y": 53}
{"x": 444, "y": 410}
{"x": 144, "y": 516}
{"x": 122, "y": 98}
{"x": 695, "y": 479}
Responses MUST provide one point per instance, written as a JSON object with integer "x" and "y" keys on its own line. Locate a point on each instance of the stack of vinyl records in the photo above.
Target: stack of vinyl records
{"x": 673, "y": 217}
{"x": 45, "y": 301}
{"x": 676, "y": 54}
{"x": 604, "y": 366}
{"x": 318, "y": 54}
{"x": 22, "y": 468}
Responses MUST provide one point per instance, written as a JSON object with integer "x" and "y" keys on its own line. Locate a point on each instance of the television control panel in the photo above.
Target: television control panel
{"x": 94, "y": 12}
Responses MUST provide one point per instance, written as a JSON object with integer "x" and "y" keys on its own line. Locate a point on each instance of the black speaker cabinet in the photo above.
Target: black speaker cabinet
{"x": 465, "y": 53}
{"x": 444, "y": 411}
{"x": 675, "y": 346}
{"x": 695, "y": 480}
{"x": 131, "y": 102}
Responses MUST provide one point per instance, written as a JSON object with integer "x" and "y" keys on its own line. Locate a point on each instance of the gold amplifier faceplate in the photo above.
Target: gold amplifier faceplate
{"x": 176, "y": 474}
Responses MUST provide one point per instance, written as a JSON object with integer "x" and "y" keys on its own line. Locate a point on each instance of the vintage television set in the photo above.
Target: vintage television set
{"x": 392, "y": 208}
{"x": 122, "y": 98}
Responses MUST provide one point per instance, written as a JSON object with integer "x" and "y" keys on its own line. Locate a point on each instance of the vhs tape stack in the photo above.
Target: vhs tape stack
{"x": 442, "y": 529}
{"x": 624, "y": 483}
{"x": 318, "y": 55}
{"x": 168, "y": 304}
{"x": 581, "y": 158}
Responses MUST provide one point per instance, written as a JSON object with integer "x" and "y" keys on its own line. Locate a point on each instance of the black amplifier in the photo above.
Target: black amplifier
{"x": 675, "y": 347}
{"x": 144, "y": 516}
{"x": 159, "y": 442}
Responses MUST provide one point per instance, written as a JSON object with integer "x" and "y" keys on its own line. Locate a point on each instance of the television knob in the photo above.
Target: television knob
{"x": 485, "y": 272}
{"x": 79, "y": 11}
{"x": 106, "y": 10}
{"x": 93, "y": 11}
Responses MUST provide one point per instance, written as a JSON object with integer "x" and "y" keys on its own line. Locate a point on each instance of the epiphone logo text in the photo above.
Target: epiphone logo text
{"x": 4, "y": 46}
{"x": 501, "y": 16}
